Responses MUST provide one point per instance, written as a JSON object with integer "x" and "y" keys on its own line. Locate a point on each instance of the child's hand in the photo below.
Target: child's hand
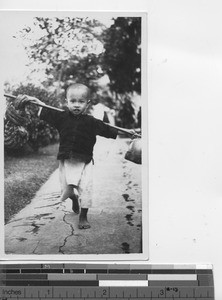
{"x": 35, "y": 100}
{"x": 133, "y": 133}
{"x": 22, "y": 100}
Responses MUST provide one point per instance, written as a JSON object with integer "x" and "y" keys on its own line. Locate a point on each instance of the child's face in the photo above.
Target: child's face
{"x": 77, "y": 101}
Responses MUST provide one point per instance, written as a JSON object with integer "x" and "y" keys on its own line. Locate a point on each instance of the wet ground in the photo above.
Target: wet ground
{"x": 47, "y": 226}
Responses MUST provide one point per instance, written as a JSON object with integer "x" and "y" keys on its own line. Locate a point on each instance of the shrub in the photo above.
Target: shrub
{"x": 39, "y": 132}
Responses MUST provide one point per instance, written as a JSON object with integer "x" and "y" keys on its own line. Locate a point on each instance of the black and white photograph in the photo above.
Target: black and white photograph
{"x": 75, "y": 125}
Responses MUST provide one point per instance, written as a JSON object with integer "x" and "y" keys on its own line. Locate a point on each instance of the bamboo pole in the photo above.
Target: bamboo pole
{"x": 42, "y": 105}
{"x": 61, "y": 110}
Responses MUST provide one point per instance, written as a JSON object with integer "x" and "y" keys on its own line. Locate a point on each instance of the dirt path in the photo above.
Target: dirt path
{"x": 46, "y": 226}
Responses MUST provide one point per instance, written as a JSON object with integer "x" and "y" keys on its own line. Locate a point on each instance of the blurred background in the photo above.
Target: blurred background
{"x": 44, "y": 54}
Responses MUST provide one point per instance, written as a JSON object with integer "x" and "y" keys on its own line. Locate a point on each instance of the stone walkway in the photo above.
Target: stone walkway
{"x": 47, "y": 226}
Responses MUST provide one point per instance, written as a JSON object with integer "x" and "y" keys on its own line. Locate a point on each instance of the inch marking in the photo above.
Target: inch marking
{"x": 22, "y": 282}
{"x": 106, "y": 292}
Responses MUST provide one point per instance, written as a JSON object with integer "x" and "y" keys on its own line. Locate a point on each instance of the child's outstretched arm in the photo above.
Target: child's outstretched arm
{"x": 21, "y": 101}
{"x": 35, "y": 101}
{"x": 132, "y": 132}
{"x": 50, "y": 114}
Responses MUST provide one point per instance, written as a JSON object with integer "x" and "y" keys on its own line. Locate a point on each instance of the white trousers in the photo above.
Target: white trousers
{"x": 78, "y": 173}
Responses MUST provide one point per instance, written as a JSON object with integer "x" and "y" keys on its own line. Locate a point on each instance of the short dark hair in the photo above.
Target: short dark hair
{"x": 79, "y": 86}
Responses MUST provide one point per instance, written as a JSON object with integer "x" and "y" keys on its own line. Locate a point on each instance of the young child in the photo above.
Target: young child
{"x": 77, "y": 133}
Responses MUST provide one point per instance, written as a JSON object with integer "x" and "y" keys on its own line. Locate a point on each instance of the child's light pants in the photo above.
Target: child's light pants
{"x": 76, "y": 172}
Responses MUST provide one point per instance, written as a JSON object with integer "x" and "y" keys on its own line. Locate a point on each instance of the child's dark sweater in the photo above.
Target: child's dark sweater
{"x": 77, "y": 133}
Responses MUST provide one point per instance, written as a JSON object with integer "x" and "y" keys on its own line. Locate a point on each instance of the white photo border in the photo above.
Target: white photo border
{"x": 145, "y": 198}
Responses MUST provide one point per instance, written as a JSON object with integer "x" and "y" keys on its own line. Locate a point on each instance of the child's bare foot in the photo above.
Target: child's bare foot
{"x": 75, "y": 204}
{"x": 83, "y": 222}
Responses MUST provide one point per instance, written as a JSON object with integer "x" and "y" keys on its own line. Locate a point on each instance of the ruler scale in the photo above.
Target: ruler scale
{"x": 109, "y": 281}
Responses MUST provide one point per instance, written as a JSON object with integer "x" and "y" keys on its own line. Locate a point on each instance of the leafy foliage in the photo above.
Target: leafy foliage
{"x": 76, "y": 48}
{"x": 125, "y": 116}
{"x": 69, "y": 48}
{"x": 122, "y": 56}
{"x": 39, "y": 132}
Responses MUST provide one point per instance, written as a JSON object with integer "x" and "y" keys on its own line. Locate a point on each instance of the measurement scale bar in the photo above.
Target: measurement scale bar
{"x": 108, "y": 293}
{"x": 24, "y": 281}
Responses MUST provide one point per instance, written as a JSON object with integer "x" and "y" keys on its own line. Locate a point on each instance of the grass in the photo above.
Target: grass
{"x": 24, "y": 175}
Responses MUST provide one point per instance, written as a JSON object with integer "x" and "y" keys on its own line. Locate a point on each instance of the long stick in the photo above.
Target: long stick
{"x": 42, "y": 105}
{"x": 59, "y": 109}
